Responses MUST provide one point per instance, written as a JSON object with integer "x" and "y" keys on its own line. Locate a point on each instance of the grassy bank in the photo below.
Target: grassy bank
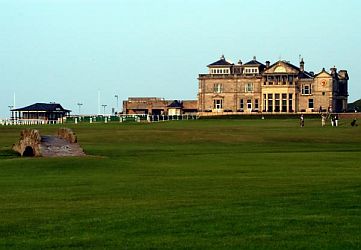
{"x": 206, "y": 184}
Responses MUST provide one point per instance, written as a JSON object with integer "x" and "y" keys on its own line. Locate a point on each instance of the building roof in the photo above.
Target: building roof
{"x": 323, "y": 71}
{"x": 190, "y": 104}
{"x": 48, "y": 107}
{"x": 301, "y": 74}
{"x": 175, "y": 104}
{"x": 254, "y": 62}
{"x": 287, "y": 63}
{"x": 221, "y": 62}
{"x": 304, "y": 74}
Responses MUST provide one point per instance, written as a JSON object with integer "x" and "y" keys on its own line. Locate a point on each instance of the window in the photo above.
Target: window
{"x": 290, "y": 109}
{"x": 284, "y": 102}
{"x": 241, "y": 104}
{"x": 218, "y": 88}
{"x": 248, "y": 87}
{"x": 264, "y": 102}
{"x": 277, "y": 102}
{"x": 270, "y": 103}
{"x": 256, "y": 104}
{"x": 250, "y": 70}
{"x": 249, "y": 104}
{"x": 323, "y": 93}
{"x": 306, "y": 89}
{"x": 218, "y": 104}
{"x": 310, "y": 103}
{"x": 290, "y": 79}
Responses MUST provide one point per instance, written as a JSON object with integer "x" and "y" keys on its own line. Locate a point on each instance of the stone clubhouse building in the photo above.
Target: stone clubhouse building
{"x": 254, "y": 87}
{"x": 280, "y": 87}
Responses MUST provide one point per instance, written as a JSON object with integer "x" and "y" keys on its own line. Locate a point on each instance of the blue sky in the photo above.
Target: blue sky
{"x": 67, "y": 50}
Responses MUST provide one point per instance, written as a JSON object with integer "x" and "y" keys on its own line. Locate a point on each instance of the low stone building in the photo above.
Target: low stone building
{"x": 280, "y": 87}
{"x": 158, "y": 106}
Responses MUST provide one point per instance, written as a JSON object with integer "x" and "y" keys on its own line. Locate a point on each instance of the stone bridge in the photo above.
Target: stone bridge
{"x": 31, "y": 143}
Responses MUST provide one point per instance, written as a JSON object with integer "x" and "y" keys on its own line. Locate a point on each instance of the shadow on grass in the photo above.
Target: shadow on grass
{"x": 8, "y": 154}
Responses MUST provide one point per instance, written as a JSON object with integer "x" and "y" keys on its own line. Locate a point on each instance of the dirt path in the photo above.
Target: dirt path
{"x": 52, "y": 146}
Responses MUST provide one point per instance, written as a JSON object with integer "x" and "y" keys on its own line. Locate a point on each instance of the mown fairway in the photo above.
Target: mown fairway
{"x": 202, "y": 184}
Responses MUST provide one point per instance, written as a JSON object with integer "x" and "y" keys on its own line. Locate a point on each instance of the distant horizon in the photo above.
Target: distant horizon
{"x": 67, "y": 51}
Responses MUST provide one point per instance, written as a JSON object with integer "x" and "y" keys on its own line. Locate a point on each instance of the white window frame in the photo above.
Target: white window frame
{"x": 248, "y": 87}
{"x": 218, "y": 88}
{"x": 218, "y": 104}
{"x": 249, "y": 104}
{"x": 306, "y": 89}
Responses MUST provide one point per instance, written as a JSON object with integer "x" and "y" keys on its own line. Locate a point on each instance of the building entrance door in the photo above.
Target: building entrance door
{"x": 249, "y": 105}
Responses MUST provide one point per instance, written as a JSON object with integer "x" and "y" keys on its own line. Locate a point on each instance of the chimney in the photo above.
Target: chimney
{"x": 267, "y": 64}
{"x": 302, "y": 65}
{"x": 240, "y": 62}
{"x": 343, "y": 74}
{"x": 333, "y": 70}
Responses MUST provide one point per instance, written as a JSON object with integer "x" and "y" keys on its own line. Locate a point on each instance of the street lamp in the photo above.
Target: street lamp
{"x": 116, "y": 96}
{"x": 104, "y": 105}
{"x": 79, "y": 104}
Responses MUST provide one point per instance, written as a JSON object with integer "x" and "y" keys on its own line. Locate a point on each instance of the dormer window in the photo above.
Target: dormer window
{"x": 219, "y": 71}
{"x": 253, "y": 70}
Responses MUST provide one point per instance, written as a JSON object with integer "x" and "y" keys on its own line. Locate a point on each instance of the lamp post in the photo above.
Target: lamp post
{"x": 116, "y": 96}
{"x": 79, "y": 104}
{"x": 104, "y": 105}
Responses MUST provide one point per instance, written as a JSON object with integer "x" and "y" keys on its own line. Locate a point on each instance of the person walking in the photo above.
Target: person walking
{"x": 336, "y": 120}
{"x": 323, "y": 120}
{"x": 302, "y": 121}
{"x": 332, "y": 121}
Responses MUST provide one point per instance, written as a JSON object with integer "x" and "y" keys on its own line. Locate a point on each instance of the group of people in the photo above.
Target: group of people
{"x": 334, "y": 120}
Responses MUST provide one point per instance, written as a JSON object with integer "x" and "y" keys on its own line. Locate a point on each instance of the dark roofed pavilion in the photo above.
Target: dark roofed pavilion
{"x": 40, "y": 113}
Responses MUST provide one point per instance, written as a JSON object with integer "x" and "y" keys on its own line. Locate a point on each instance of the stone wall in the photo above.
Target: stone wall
{"x": 29, "y": 143}
{"x": 68, "y": 135}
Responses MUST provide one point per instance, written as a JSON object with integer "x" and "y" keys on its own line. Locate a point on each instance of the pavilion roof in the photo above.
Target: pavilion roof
{"x": 48, "y": 107}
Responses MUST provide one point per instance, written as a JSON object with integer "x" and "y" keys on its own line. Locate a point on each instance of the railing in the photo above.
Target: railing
{"x": 258, "y": 76}
{"x": 29, "y": 122}
{"x": 162, "y": 118}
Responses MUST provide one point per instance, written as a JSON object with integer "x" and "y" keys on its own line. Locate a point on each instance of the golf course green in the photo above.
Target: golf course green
{"x": 199, "y": 184}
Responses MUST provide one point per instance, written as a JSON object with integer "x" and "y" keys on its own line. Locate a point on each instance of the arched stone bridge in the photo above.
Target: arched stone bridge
{"x": 31, "y": 143}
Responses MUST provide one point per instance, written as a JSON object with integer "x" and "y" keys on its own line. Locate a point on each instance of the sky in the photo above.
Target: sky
{"x": 68, "y": 51}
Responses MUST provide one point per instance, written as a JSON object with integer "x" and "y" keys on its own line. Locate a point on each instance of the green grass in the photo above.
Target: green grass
{"x": 206, "y": 184}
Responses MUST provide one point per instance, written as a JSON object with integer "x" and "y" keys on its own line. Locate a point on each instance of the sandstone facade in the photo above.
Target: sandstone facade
{"x": 158, "y": 106}
{"x": 264, "y": 88}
